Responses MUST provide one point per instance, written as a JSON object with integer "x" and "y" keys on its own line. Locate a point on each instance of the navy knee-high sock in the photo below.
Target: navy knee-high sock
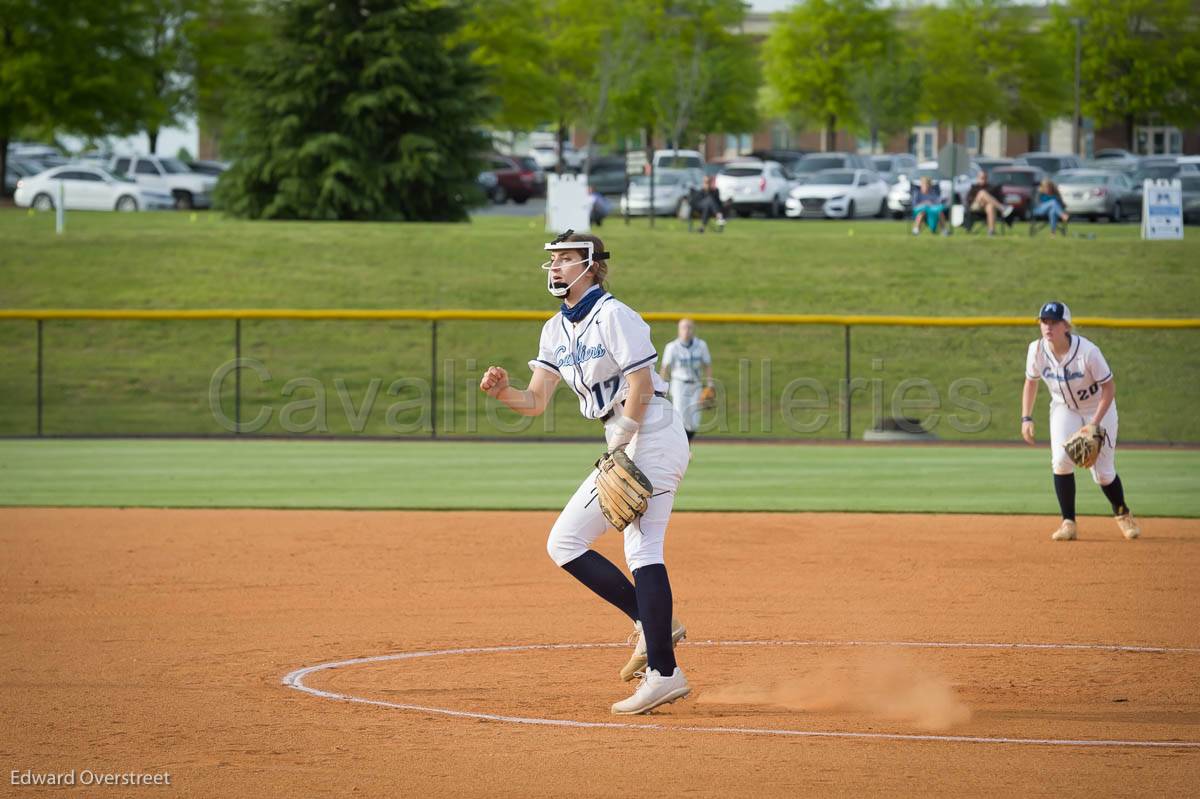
{"x": 1064, "y": 488}
{"x": 654, "y": 611}
{"x": 599, "y": 574}
{"x": 1116, "y": 496}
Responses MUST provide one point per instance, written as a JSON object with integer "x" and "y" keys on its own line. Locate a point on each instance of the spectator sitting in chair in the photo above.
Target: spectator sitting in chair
{"x": 708, "y": 203}
{"x": 600, "y": 206}
{"x": 928, "y": 208}
{"x": 982, "y": 199}
{"x": 1049, "y": 204}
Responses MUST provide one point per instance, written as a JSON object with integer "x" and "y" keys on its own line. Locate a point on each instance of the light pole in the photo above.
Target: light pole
{"x": 1077, "y": 22}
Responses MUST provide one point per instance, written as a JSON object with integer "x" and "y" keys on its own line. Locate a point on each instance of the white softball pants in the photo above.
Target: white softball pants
{"x": 1064, "y": 422}
{"x": 685, "y": 398}
{"x": 660, "y": 450}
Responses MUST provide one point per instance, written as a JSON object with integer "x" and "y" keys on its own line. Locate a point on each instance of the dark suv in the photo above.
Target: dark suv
{"x": 803, "y": 170}
{"x": 506, "y": 178}
{"x": 1018, "y": 185}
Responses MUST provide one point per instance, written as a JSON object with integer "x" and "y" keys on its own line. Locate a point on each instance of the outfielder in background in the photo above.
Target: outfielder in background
{"x": 1082, "y": 393}
{"x": 602, "y": 349}
{"x": 688, "y": 365}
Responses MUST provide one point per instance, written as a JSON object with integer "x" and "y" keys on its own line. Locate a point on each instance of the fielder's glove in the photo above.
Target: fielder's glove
{"x": 708, "y": 398}
{"x": 621, "y": 488}
{"x": 1084, "y": 446}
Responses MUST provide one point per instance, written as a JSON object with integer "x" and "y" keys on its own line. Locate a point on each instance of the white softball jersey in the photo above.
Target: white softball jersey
{"x": 1074, "y": 384}
{"x": 593, "y": 357}
{"x": 686, "y": 363}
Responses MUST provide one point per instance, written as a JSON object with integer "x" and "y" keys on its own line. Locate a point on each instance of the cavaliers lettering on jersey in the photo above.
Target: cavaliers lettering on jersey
{"x": 594, "y": 356}
{"x": 1076, "y": 381}
{"x": 687, "y": 361}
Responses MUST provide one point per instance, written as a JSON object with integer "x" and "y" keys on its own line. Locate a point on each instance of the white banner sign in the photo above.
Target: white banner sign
{"x": 1162, "y": 209}
{"x": 568, "y": 206}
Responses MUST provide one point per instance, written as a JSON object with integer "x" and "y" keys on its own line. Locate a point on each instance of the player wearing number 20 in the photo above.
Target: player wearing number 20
{"x": 602, "y": 349}
{"x": 1082, "y": 392}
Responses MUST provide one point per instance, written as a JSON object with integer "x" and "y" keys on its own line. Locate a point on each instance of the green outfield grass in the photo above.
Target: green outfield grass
{"x": 524, "y": 476}
{"x": 155, "y": 377}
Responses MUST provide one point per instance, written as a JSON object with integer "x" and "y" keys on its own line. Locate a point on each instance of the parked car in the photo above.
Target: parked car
{"x": 546, "y": 157}
{"x": 169, "y": 176}
{"x": 87, "y": 188}
{"x": 839, "y": 194}
{"x": 42, "y": 155}
{"x": 671, "y": 188}
{"x": 987, "y": 164}
{"x": 1098, "y": 193}
{"x": 1050, "y": 163}
{"x": 1191, "y": 198}
{"x": 607, "y": 174}
{"x": 1018, "y": 185}
{"x": 899, "y": 197}
{"x": 754, "y": 185}
{"x": 16, "y": 169}
{"x": 214, "y": 168}
{"x": 1188, "y": 163}
{"x": 891, "y": 166}
{"x": 678, "y": 159}
{"x": 1148, "y": 161}
{"x": 1115, "y": 158}
{"x": 1155, "y": 168}
{"x": 786, "y": 158}
{"x": 811, "y": 164}
{"x": 510, "y": 179}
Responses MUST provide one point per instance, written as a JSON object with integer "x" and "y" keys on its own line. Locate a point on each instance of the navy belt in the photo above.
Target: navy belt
{"x": 612, "y": 411}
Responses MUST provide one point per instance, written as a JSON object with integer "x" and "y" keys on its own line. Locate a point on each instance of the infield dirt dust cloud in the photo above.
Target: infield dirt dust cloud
{"x": 887, "y": 685}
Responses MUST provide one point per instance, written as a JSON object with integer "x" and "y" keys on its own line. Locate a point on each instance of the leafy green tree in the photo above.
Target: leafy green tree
{"x": 509, "y": 42}
{"x": 167, "y": 80}
{"x": 357, "y": 109}
{"x": 887, "y": 93}
{"x": 812, "y": 54}
{"x": 986, "y": 61}
{"x": 1140, "y": 59}
{"x": 67, "y": 68}
{"x": 222, "y": 36}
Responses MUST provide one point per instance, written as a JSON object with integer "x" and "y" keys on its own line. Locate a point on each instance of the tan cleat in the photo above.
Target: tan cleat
{"x": 1129, "y": 526}
{"x": 1065, "y": 531}
{"x": 637, "y": 661}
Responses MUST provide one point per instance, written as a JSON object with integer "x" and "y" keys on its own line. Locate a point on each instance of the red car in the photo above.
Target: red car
{"x": 506, "y": 178}
{"x": 1018, "y": 186}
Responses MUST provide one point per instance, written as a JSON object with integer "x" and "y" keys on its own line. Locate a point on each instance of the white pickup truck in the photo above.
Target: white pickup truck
{"x": 169, "y": 176}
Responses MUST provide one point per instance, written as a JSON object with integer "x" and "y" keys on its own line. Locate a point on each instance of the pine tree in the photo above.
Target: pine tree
{"x": 357, "y": 109}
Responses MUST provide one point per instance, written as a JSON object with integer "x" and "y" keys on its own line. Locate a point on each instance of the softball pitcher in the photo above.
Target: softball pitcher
{"x": 688, "y": 365}
{"x": 1082, "y": 393}
{"x": 602, "y": 349}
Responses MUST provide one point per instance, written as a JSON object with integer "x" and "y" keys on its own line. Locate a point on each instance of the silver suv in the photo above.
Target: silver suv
{"x": 169, "y": 176}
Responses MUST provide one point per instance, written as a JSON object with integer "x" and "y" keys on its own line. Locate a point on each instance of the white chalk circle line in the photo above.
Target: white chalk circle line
{"x": 296, "y": 678}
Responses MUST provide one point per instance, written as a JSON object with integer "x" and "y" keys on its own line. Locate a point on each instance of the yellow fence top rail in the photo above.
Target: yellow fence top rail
{"x": 855, "y": 320}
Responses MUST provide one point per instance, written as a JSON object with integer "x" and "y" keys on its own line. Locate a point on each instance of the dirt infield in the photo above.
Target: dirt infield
{"x": 156, "y": 641}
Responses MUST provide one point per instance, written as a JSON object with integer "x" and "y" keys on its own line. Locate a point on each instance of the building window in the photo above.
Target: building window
{"x": 925, "y": 142}
{"x": 1157, "y": 140}
{"x": 781, "y": 137}
{"x": 973, "y": 139}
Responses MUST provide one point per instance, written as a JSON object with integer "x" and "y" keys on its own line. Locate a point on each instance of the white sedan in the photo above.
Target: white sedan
{"x": 86, "y": 188}
{"x": 839, "y": 194}
{"x": 671, "y": 188}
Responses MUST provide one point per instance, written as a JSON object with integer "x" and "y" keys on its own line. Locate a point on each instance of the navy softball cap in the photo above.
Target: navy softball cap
{"x": 1058, "y": 311}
